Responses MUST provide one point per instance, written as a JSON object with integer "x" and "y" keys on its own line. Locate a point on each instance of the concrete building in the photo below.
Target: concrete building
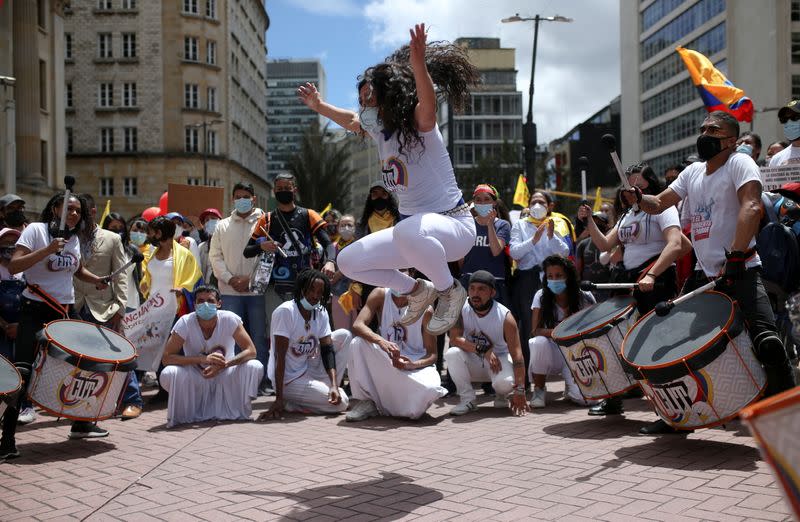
{"x": 32, "y": 99}
{"x": 756, "y": 44}
{"x": 144, "y": 79}
{"x": 288, "y": 117}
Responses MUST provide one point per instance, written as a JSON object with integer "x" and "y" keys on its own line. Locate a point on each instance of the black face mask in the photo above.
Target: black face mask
{"x": 15, "y": 218}
{"x": 284, "y": 197}
{"x": 708, "y": 146}
{"x": 380, "y": 204}
{"x": 483, "y": 308}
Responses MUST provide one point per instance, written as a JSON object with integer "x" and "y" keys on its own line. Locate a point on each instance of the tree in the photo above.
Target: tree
{"x": 322, "y": 170}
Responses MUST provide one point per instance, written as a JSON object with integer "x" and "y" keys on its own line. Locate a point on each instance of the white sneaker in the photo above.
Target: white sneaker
{"x": 362, "y": 411}
{"x": 448, "y": 309}
{"x": 538, "y": 398}
{"x": 463, "y": 408}
{"x": 501, "y": 402}
{"x": 418, "y": 302}
{"x": 26, "y": 416}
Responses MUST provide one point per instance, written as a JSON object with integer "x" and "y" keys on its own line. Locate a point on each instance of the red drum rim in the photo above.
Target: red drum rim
{"x": 614, "y": 319}
{"x": 723, "y": 331}
{"x": 82, "y": 355}
{"x": 771, "y": 404}
{"x": 4, "y": 360}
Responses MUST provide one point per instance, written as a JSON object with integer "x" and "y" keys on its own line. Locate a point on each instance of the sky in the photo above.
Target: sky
{"x": 577, "y": 64}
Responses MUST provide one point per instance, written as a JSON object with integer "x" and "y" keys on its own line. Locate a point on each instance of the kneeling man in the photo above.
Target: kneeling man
{"x": 484, "y": 347}
{"x": 393, "y": 373}
{"x": 208, "y": 381}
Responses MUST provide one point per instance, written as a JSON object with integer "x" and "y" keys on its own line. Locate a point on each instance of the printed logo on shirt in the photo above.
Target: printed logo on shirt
{"x": 481, "y": 340}
{"x": 701, "y": 220}
{"x": 630, "y": 232}
{"x": 397, "y": 334}
{"x": 481, "y": 241}
{"x": 395, "y": 174}
{"x": 305, "y": 347}
{"x": 62, "y": 261}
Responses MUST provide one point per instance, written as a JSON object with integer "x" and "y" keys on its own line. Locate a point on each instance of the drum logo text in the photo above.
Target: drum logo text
{"x": 680, "y": 400}
{"x": 588, "y": 363}
{"x": 80, "y": 386}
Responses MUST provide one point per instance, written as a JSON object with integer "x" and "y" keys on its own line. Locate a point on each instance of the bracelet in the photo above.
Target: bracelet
{"x": 651, "y": 274}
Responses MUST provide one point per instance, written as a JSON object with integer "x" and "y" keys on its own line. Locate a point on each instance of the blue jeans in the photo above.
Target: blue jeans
{"x": 251, "y": 309}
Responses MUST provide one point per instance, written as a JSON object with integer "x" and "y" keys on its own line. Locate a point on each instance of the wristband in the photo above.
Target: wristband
{"x": 651, "y": 274}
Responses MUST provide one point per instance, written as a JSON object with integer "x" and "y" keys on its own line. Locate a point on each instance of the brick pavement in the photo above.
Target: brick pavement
{"x": 556, "y": 463}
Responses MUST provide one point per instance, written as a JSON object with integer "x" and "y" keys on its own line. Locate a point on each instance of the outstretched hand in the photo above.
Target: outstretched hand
{"x": 417, "y": 45}
{"x": 310, "y": 96}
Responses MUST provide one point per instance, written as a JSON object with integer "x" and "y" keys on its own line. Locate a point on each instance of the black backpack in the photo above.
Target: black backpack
{"x": 778, "y": 245}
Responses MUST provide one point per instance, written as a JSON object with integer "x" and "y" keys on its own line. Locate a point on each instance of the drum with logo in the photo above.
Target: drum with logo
{"x": 775, "y": 423}
{"x": 590, "y": 341}
{"x": 695, "y": 364}
{"x": 81, "y": 370}
{"x": 10, "y": 383}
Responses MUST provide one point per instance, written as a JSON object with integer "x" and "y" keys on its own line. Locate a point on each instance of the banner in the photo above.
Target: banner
{"x": 775, "y": 177}
{"x": 521, "y": 193}
{"x": 148, "y": 328}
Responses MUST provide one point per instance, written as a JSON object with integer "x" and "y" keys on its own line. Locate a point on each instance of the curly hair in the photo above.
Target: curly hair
{"x": 52, "y": 219}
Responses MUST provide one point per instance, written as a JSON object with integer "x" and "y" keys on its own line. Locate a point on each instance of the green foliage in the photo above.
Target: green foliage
{"x": 501, "y": 171}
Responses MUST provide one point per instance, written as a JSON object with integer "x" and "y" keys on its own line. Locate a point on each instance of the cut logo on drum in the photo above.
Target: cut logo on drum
{"x": 80, "y": 386}
{"x": 679, "y": 400}
{"x": 588, "y": 363}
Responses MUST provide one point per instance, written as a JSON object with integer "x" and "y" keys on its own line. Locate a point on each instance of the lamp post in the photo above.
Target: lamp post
{"x": 529, "y": 128}
{"x": 204, "y": 125}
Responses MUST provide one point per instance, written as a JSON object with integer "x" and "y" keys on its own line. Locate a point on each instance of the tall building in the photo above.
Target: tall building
{"x": 32, "y": 99}
{"x": 145, "y": 79}
{"x": 288, "y": 117}
{"x": 756, "y": 44}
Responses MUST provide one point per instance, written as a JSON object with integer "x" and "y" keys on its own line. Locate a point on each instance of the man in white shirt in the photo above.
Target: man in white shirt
{"x": 789, "y": 116}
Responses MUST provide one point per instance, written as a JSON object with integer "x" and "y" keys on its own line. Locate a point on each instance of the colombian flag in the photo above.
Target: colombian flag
{"x": 716, "y": 91}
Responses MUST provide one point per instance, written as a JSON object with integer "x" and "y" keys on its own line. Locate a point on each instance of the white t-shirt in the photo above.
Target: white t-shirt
{"x": 486, "y": 330}
{"x": 221, "y": 340}
{"x": 303, "y": 353}
{"x": 422, "y": 176}
{"x": 161, "y": 278}
{"x": 642, "y": 235}
{"x": 587, "y": 299}
{"x": 713, "y": 208}
{"x": 54, "y": 273}
{"x": 789, "y": 155}
{"x": 408, "y": 338}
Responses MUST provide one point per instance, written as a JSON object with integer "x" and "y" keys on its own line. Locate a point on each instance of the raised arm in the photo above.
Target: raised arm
{"x": 425, "y": 113}
{"x": 651, "y": 204}
{"x": 312, "y": 98}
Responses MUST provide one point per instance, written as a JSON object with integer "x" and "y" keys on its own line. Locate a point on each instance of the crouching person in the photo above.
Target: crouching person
{"x": 392, "y": 372}
{"x": 307, "y": 361}
{"x": 208, "y": 380}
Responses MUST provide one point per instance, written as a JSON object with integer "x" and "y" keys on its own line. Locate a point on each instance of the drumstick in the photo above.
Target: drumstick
{"x": 610, "y": 143}
{"x": 583, "y": 162}
{"x": 137, "y": 258}
{"x": 588, "y": 286}
{"x": 280, "y": 250}
{"x": 664, "y": 307}
{"x": 69, "y": 182}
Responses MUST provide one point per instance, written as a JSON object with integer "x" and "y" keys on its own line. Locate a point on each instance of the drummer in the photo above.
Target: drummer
{"x": 651, "y": 244}
{"x": 48, "y": 257}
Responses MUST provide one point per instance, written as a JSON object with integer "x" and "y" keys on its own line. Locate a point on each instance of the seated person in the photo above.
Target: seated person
{"x": 484, "y": 347}
{"x": 559, "y": 297}
{"x": 392, "y": 372}
{"x": 207, "y": 380}
{"x": 307, "y": 361}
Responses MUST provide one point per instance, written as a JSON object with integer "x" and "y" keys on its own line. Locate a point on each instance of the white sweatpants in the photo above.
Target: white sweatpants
{"x": 426, "y": 242}
{"x": 228, "y": 396}
{"x": 466, "y": 368}
{"x": 309, "y": 392}
{"x": 397, "y": 393}
{"x": 547, "y": 359}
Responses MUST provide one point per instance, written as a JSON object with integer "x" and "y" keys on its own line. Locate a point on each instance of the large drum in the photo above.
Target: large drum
{"x": 775, "y": 423}
{"x": 81, "y": 370}
{"x": 696, "y": 364}
{"x": 10, "y": 384}
{"x": 590, "y": 342}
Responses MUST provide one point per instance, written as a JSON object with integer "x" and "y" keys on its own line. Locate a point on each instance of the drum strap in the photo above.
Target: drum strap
{"x": 49, "y": 300}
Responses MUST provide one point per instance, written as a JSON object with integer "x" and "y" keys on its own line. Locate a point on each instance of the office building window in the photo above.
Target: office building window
{"x": 68, "y": 46}
{"x": 211, "y": 52}
{"x": 190, "y": 49}
{"x": 211, "y": 98}
{"x": 795, "y": 47}
{"x": 193, "y": 181}
{"x": 679, "y": 27}
{"x": 106, "y": 139}
{"x": 708, "y": 43}
{"x": 105, "y": 95}
{"x": 129, "y": 94}
{"x": 106, "y": 186}
{"x": 211, "y": 8}
{"x": 190, "y": 6}
{"x": 191, "y": 139}
{"x": 41, "y": 13}
{"x": 129, "y": 4}
{"x": 676, "y": 129}
{"x": 68, "y": 96}
{"x": 795, "y": 86}
{"x": 69, "y": 137}
{"x": 656, "y": 11}
{"x": 211, "y": 142}
{"x": 190, "y": 96}
{"x": 104, "y": 45}
{"x": 795, "y": 11}
{"x": 43, "y": 85}
{"x": 129, "y": 45}
{"x": 104, "y": 5}
{"x": 669, "y": 99}
{"x": 129, "y": 187}
{"x": 45, "y": 157}
{"x": 130, "y": 139}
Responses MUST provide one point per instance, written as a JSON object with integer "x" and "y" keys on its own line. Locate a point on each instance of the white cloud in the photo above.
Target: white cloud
{"x": 577, "y": 64}
{"x": 328, "y": 7}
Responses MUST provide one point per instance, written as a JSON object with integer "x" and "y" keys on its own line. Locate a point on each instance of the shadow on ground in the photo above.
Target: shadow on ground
{"x": 35, "y": 453}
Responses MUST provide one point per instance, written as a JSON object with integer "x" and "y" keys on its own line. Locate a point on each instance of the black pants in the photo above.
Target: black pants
{"x": 526, "y": 284}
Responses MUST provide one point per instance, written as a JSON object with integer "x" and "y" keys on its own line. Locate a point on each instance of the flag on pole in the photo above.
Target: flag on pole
{"x": 330, "y": 206}
{"x": 106, "y": 211}
{"x": 522, "y": 194}
{"x": 716, "y": 91}
{"x": 598, "y": 200}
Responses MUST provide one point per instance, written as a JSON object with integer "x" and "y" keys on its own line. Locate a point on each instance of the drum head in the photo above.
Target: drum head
{"x": 593, "y": 317}
{"x": 656, "y": 341}
{"x": 9, "y": 377}
{"x": 89, "y": 340}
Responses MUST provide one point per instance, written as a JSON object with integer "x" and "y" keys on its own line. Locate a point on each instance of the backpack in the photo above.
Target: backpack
{"x": 778, "y": 244}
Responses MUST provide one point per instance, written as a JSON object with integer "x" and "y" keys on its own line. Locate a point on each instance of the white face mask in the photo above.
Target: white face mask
{"x": 369, "y": 119}
{"x": 211, "y": 226}
{"x": 538, "y": 211}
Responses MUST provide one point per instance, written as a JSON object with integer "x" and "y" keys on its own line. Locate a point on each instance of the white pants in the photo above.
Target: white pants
{"x": 426, "y": 242}
{"x": 193, "y": 398}
{"x": 309, "y": 392}
{"x": 466, "y": 368}
{"x": 547, "y": 359}
{"x": 398, "y": 393}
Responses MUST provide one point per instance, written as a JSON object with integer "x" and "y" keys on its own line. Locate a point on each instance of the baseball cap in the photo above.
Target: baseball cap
{"x": 9, "y": 231}
{"x": 483, "y": 277}
{"x": 210, "y": 212}
{"x": 788, "y": 110}
{"x": 790, "y": 190}
{"x": 9, "y": 199}
{"x": 173, "y": 215}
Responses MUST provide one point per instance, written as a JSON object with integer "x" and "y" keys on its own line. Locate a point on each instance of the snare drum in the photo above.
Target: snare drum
{"x": 590, "y": 341}
{"x": 10, "y": 384}
{"x": 696, "y": 364}
{"x": 775, "y": 423}
{"x": 81, "y": 370}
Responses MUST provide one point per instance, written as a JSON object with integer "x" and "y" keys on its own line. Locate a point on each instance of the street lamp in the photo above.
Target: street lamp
{"x": 529, "y": 128}
{"x": 205, "y": 124}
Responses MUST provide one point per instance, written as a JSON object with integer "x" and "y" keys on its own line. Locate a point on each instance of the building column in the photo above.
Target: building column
{"x": 58, "y": 145}
{"x": 8, "y": 157}
{"x": 26, "y": 70}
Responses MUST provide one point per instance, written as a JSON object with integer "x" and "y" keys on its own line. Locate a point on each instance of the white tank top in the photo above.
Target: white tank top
{"x": 408, "y": 338}
{"x": 421, "y": 176}
{"x": 487, "y": 329}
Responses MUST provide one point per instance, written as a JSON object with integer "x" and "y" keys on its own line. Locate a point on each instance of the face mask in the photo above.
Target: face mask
{"x": 7, "y": 252}
{"x": 346, "y": 231}
{"x": 284, "y": 197}
{"x": 483, "y": 209}
{"x": 308, "y": 307}
{"x": 708, "y": 146}
{"x": 243, "y": 205}
{"x": 15, "y": 218}
{"x": 744, "y": 148}
{"x": 380, "y": 204}
{"x": 557, "y": 286}
{"x": 369, "y": 119}
{"x": 538, "y": 211}
{"x": 138, "y": 238}
{"x": 210, "y": 226}
{"x": 791, "y": 131}
{"x": 206, "y": 311}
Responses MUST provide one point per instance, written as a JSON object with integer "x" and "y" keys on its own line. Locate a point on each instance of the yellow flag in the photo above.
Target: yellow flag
{"x": 598, "y": 200}
{"x": 106, "y": 212}
{"x": 330, "y": 206}
{"x": 521, "y": 194}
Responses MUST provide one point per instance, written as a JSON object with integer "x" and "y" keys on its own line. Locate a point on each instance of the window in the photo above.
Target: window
{"x": 68, "y": 46}
{"x": 41, "y": 13}
{"x": 43, "y": 85}
{"x": 45, "y": 157}
{"x": 104, "y": 49}
{"x": 129, "y": 4}
{"x": 190, "y": 6}
{"x": 211, "y": 8}
{"x": 795, "y": 11}
{"x": 69, "y": 140}
{"x": 795, "y": 86}
{"x": 129, "y": 45}
{"x": 656, "y": 11}
{"x": 708, "y": 43}
{"x": 191, "y": 139}
{"x": 211, "y": 98}
{"x": 193, "y": 181}
{"x": 68, "y": 96}
{"x": 106, "y": 186}
{"x": 129, "y": 187}
{"x": 680, "y": 26}
{"x": 130, "y": 139}
{"x": 190, "y": 96}
{"x": 105, "y": 95}
{"x": 795, "y": 47}
{"x": 190, "y": 49}
{"x": 211, "y": 142}
{"x": 669, "y": 99}
{"x": 104, "y": 5}
{"x": 106, "y": 139}
{"x": 211, "y": 52}
{"x": 129, "y": 94}
{"x": 676, "y": 129}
